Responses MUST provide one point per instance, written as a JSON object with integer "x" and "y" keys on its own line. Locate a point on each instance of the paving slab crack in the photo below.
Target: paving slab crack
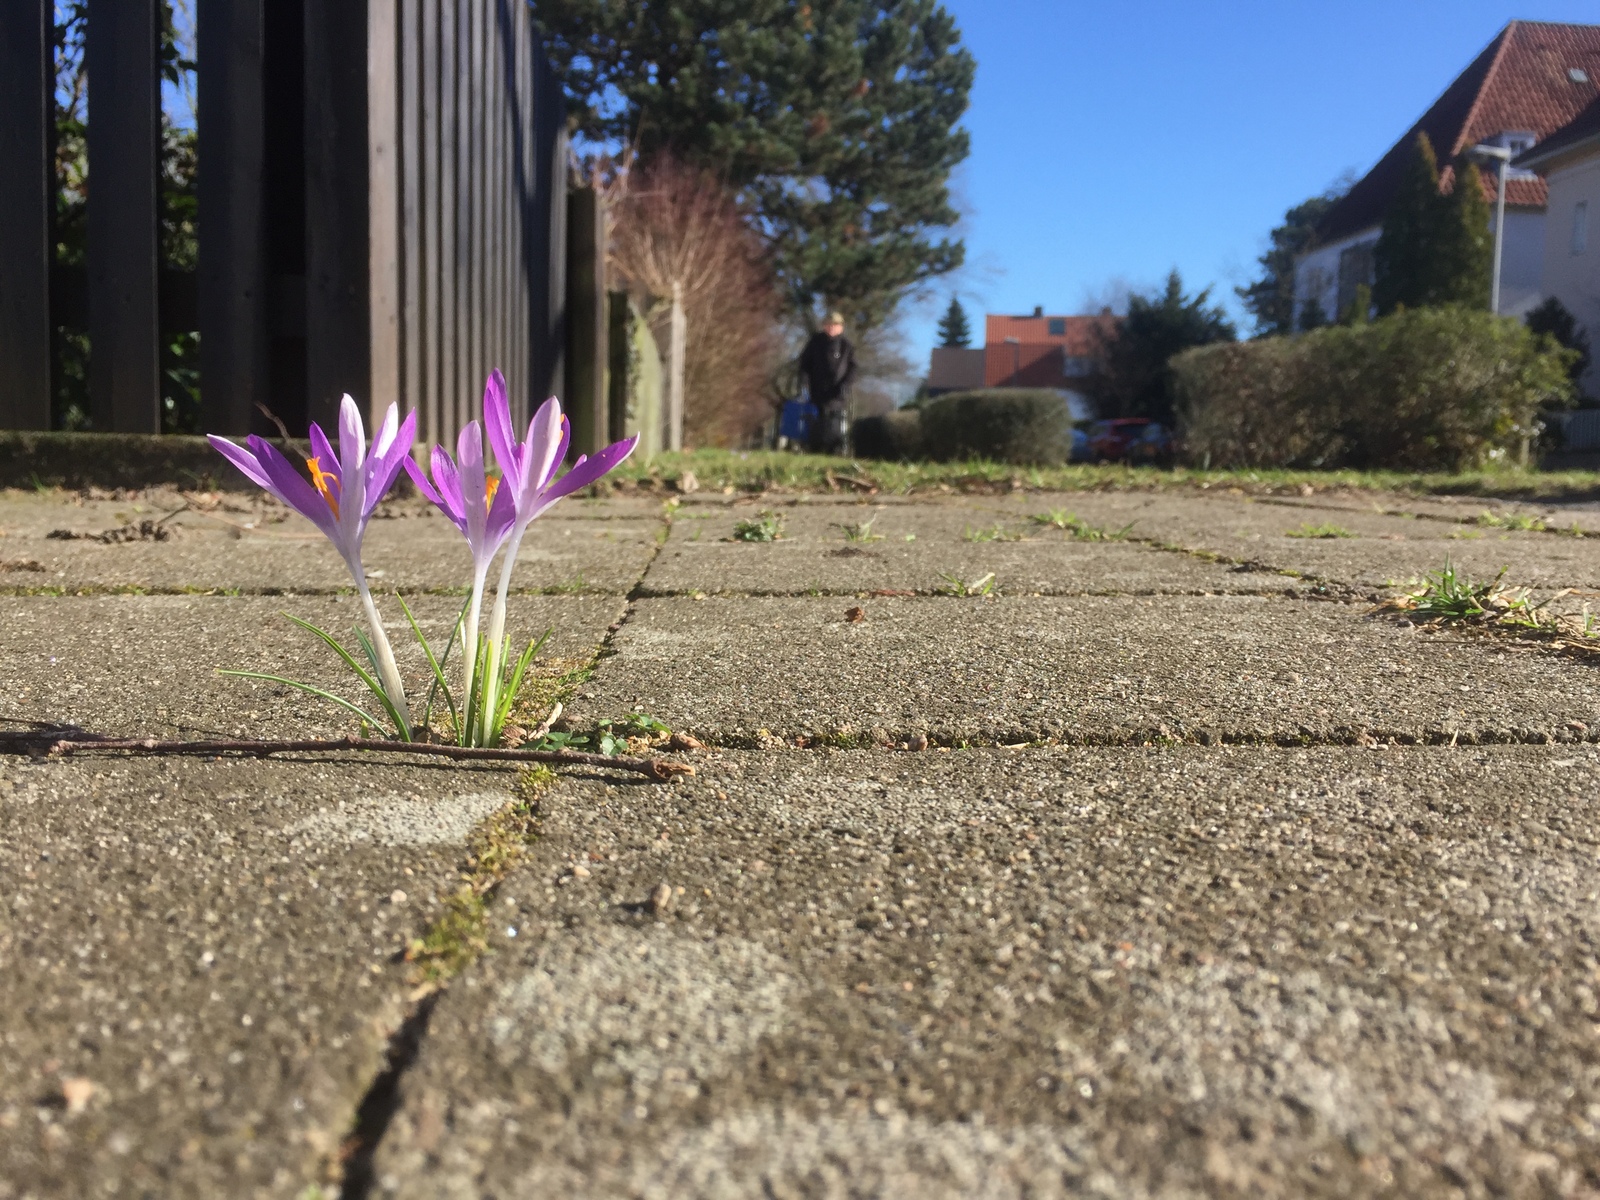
{"x": 382, "y": 1100}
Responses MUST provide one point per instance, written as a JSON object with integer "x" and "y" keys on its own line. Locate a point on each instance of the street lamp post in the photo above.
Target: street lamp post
{"x": 1501, "y": 157}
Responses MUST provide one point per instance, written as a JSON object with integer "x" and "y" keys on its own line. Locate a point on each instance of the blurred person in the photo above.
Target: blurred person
{"x": 828, "y": 366}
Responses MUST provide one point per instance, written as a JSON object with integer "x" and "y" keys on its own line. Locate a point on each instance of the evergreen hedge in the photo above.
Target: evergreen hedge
{"x": 1012, "y": 425}
{"x": 1423, "y": 389}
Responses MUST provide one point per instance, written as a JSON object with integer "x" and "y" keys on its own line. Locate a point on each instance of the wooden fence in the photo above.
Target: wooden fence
{"x": 382, "y": 212}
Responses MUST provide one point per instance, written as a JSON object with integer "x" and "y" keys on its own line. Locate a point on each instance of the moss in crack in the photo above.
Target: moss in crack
{"x": 460, "y": 934}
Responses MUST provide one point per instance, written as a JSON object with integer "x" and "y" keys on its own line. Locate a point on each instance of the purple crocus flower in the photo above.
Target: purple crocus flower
{"x": 344, "y": 489}
{"x": 483, "y": 511}
{"x": 528, "y": 471}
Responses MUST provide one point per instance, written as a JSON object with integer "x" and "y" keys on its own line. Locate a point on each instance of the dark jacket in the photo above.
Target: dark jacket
{"x": 828, "y": 365}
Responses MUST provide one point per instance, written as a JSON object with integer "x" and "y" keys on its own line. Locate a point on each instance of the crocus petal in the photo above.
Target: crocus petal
{"x": 386, "y": 468}
{"x": 287, "y": 485}
{"x": 243, "y": 459}
{"x": 448, "y": 480}
{"x": 383, "y": 439}
{"x": 539, "y": 452}
{"x": 497, "y": 424}
{"x": 560, "y": 455}
{"x": 420, "y": 478}
{"x": 586, "y": 470}
{"x": 502, "y": 514}
{"x": 352, "y": 436}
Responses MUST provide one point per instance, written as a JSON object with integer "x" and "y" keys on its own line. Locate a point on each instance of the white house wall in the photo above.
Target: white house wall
{"x": 1316, "y": 275}
{"x": 1522, "y": 262}
{"x": 1521, "y": 270}
{"x": 1574, "y": 279}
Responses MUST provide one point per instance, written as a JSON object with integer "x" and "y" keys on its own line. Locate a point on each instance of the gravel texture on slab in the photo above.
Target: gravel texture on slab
{"x": 199, "y": 962}
{"x": 1164, "y": 972}
{"x": 845, "y": 548}
{"x": 1218, "y": 668}
{"x": 147, "y": 665}
{"x": 254, "y": 544}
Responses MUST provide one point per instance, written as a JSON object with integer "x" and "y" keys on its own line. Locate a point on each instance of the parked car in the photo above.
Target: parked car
{"x": 1131, "y": 440}
{"x": 1081, "y": 450}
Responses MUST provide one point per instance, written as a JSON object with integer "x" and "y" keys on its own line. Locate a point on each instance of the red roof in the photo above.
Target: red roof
{"x": 1522, "y": 83}
{"x": 1077, "y": 337}
{"x": 1583, "y": 128}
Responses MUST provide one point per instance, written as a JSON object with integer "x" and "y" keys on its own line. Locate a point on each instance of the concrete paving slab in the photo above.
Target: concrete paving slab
{"x": 1384, "y": 551}
{"x": 1076, "y": 668}
{"x": 148, "y": 664}
{"x": 1167, "y": 973}
{"x": 198, "y": 962}
{"x": 918, "y": 548}
{"x": 254, "y": 546}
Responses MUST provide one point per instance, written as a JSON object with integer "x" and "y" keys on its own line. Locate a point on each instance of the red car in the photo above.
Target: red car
{"x": 1129, "y": 439}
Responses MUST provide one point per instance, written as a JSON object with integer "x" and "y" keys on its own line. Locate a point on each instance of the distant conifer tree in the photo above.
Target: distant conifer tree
{"x": 1406, "y": 244}
{"x": 1462, "y": 265}
{"x": 953, "y": 327}
{"x": 1312, "y": 315}
{"x": 1359, "y": 310}
{"x": 1435, "y": 249}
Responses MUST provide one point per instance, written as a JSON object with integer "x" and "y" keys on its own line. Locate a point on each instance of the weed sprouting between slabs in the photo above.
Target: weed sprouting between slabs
{"x": 996, "y": 533}
{"x": 1324, "y": 530}
{"x": 1527, "y": 522}
{"x": 860, "y": 531}
{"x": 765, "y": 526}
{"x": 1450, "y": 598}
{"x": 954, "y": 585}
{"x": 1077, "y": 528}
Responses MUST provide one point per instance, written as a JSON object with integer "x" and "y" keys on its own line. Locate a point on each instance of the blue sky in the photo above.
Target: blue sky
{"x": 1114, "y": 141}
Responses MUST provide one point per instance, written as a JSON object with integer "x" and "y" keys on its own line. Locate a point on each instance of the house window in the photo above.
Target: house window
{"x": 1580, "y": 227}
{"x": 1075, "y": 366}
{"x": 1355, "y": 270}
{"x": 1058, "y": 327}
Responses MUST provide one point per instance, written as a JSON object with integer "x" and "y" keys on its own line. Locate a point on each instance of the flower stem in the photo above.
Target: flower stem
{"x": 388, "y": 672}
{"x": 497, "y": 631}
{"x": 469, "y": 644}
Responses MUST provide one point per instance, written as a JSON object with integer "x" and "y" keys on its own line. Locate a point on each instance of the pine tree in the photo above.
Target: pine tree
{"x": 953, "y": 327}
{"x": 1359, "y": 310}
{"x": 1134, "y": 380}
{"x": 834, "y": 120}
{"x": 1312, "y": 315}
{"x": 1463, "y": 249}
{"x": 1405, "y": 247}
{"x": 1553, "y": 318}
{"x": 1270, "y": 299}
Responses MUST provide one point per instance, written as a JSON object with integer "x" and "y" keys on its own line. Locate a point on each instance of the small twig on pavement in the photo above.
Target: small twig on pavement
{"x": 50, "y": 741}
{"x": 544, "y": 726}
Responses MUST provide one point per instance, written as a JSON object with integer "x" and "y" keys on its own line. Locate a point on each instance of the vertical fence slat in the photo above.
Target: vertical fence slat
{"x": 383, "y": 203}
{"x": 233, "y": 280}
{"x": 26, "y": 184}
{"x": 124, "y": 153}
{"x": 432, "y": 221}
{"x": 409, "y": 143}
{"x": 338, "y": 321}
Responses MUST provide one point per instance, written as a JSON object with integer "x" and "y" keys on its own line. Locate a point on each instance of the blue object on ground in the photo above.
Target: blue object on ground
{"x": 794, "y": 422}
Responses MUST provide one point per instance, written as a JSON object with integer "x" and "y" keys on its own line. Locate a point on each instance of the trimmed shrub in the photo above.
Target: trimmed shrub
{"x": 1014, "y": 425}
{"x": 893, "y": 436}
{"x": 1423, "y": 389}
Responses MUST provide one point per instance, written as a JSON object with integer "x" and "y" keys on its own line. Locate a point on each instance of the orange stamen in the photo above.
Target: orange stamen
{"x": 325, "y": 483}
{"x": 489, "y": 486}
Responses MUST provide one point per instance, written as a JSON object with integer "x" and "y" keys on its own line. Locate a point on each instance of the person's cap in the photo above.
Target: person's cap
{"x": 835, "y": 318}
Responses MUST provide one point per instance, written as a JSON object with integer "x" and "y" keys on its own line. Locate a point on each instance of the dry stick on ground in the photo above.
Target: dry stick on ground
{"x": 48, "y": 741}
